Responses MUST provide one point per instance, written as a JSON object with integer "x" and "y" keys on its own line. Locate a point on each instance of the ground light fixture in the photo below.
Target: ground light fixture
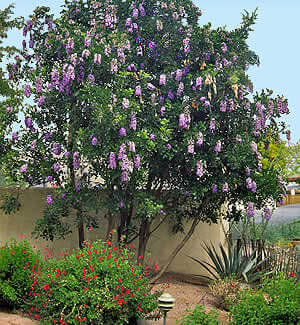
{"x": 165, "y": 303}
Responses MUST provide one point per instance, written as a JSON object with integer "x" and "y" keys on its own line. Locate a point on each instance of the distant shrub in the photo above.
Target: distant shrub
{"x": 17, "y": 262}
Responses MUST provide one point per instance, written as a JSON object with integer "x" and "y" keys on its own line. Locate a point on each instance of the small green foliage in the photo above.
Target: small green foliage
{"x": 198, "y": 316}
{"x": 277, "y": 302}
{"x": 16, "y": 263}
{"x": 99, "y": 283}
{"x": 10, "y": 203}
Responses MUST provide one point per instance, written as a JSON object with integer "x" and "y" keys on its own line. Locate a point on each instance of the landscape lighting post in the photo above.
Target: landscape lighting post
{"x": 165, "y": 303}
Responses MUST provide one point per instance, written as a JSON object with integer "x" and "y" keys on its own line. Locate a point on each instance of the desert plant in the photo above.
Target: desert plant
{"x": 17, "y": 261}
{"x": 198, "y": 316}
{"x": 225, "y": 290}
{"x": 97, "y": 285}
{"x": 231, "y": 263}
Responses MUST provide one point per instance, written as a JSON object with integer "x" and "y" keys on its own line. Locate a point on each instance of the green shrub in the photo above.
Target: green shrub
{"x": 277, "y": 302}
{"x": 17, "y": 260}
{"x": 198, "y": 316}
{"x": 98, "y": 285}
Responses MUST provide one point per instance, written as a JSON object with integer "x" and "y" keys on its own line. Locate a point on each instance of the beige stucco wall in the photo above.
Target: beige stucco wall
{"x": 160, "y": 244}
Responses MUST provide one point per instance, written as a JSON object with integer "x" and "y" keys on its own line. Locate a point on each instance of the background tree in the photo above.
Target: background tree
{"x": 10, "y": 97}
{"x": 154, "y": 104}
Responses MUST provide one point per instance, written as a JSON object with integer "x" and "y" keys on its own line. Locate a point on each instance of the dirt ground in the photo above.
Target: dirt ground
{"x": 187, "y": 295}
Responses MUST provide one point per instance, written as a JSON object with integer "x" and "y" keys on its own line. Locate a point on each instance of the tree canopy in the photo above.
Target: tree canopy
{"x": 141, "y": 111}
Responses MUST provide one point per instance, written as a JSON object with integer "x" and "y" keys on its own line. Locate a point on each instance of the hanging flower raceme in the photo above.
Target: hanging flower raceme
{"x": 162, "y": 79}
{"x": 28, "y": 122}
{"x": 56, "y": 167}
{"x": 199, "y": 139}
{"x": 225, "y": 188}
{"x": 253, "y": 146}
{"x": 122, "y": 151}
{"x": 23, "y": 168}
{"x": 133, "y": 122}
{"x": 112, "y": 161}
{"x": 218, "y": 146}
{"x": 178, "y": 75}
{"x": 56, "y": 148}
{"x": 267, "y": 212}
{"x": 125, "y": 103}
{"x": 180, "y": 89}
{"x": 138, "y": 91}
{"x": 184, "y": 120}
{"x": 199, "y": 168}
{"x": 137, "y": 162}
{"x": 76, "y": 163}
{"x": 97, "y": 58}
{"x": 49, "y": 199}
{"x": 94, "y": 141}
{"x": 27, "y": 91}
{"x": 191, "y": 146}
{"x": 212, "y": 125}
{"x": 247, "y": 170}
{"x": 122, "y": 132}
{"x": 250, "y": 209}
{"x": 131, "y": 146}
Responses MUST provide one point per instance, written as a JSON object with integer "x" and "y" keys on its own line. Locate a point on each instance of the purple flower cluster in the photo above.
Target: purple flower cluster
{"x": 251, "y": 185}
{"x": 49, "y": 199}
{"x": 184, "y": 120}
{"x": 94, "y": 141}
{"x": 122, "y": 132}
{"x": 56, "y": 167}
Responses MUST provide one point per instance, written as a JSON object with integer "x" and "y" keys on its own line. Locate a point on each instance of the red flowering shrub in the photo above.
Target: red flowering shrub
{"x": 96, "y": 285}
{"x": 17, "y": 261}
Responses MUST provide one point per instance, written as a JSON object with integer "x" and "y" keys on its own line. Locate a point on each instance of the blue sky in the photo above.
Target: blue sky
{"x": 275, "y": 39}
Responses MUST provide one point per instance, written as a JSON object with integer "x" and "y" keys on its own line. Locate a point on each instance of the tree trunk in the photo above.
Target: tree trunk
{"x": 176, "y": 250}
{"x": 122, "y": 225}
{"x": 144, "y": 235}
{"x": 125, "y": 219}
{"x": 111, "y": 225}
{"x": 81, "y": 234}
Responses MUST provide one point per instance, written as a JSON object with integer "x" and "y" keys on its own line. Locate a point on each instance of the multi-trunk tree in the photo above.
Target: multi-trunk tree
{"x": 144, "y": 113}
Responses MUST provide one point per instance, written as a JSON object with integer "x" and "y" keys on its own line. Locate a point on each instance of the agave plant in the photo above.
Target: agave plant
{"x": 231, "y": 263}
